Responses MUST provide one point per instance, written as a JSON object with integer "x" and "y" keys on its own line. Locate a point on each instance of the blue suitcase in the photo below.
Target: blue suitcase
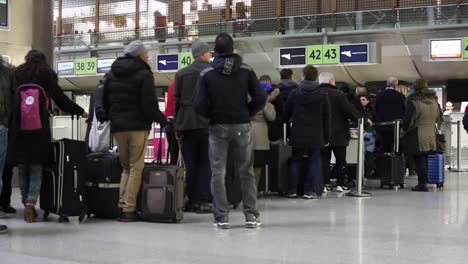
{"x": 436, "y": 170}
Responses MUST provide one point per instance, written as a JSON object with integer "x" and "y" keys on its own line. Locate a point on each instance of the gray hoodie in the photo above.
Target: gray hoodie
{"x": 7, "y": 87}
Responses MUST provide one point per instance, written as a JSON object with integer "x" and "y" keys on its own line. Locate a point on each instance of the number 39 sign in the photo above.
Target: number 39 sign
{"x": 86, "y": 66}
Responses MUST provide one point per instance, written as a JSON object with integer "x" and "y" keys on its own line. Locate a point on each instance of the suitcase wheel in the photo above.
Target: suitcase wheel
{"x": 81, "y": 218}
{"x": 63, "y": 219}
{"x": 440, "y": 186}
{"x": 45, "y": 217}
{"x": 381, "y": 186}
{"x": 402, "y": 185}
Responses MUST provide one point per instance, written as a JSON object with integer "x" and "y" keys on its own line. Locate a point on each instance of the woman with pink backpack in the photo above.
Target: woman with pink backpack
{"x": 30, "y": 134}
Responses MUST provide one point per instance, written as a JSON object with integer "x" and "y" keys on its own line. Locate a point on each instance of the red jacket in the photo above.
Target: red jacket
{"x": 169, "y": 112}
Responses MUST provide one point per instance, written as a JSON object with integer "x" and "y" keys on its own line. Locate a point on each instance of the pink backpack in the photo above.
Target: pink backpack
{"x": 32, "y": 106}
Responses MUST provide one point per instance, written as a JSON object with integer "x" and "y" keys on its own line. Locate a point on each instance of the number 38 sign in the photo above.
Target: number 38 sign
{"x": 86, "y": 66}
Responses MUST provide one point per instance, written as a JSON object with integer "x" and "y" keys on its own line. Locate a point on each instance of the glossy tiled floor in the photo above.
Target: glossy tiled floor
{"x": 391, "y": 227}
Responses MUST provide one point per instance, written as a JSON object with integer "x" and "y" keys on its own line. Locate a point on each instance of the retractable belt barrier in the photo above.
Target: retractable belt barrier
{"x": 360, "y": 163}
{"x": 459, "y": 131}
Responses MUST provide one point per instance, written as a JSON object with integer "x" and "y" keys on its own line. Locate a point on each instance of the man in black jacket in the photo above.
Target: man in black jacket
{"x": 7, "y": 86}
{"x": 341, "y": 111}
{"x": 131, "y": 105}
{"x": 286, "y": 85}
{"x": 389, "y": 106}
{"x": 309, "y": 110}
{"x": 222, "y": 95}
{"x": 192, "y": 130}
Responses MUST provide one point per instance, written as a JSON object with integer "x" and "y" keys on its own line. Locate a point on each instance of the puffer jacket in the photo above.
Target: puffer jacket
{"x": 130, "y": 97}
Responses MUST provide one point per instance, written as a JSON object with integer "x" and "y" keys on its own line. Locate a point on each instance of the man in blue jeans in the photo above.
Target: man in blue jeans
{"x": 309, "y": 111}
{"x": 229, "y": 94}
{"x": 6, "y": 98}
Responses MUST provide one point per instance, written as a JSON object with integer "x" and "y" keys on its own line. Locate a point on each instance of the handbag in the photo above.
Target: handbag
{"x": 440, "y": 140}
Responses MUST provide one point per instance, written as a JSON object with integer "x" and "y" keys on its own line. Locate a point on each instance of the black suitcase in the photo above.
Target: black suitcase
{"x": 391, "y": 167}
{"x": 63, "y": 189}
{"x": 280, "y": 153}
{"x": 162, "y": 193}
{"x": 232, "y": 181}
{"x": 103, "y": 182}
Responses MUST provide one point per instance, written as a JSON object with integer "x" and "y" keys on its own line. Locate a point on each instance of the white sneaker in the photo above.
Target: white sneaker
{"x": 341, "y": 189}
{"x": 222, "y": 225}
{"x": 325, "y": 190}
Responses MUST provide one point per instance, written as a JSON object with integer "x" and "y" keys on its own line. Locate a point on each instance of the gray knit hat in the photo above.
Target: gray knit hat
{"x": 199, "y": 48}
{"x": 135, "y": 48}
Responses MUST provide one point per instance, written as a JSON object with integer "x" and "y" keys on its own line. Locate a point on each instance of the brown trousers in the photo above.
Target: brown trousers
{"x": 132, "y": 147}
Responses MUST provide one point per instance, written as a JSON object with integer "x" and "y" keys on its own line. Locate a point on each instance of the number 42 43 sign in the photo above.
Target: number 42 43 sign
{"x": 323, "y": 54}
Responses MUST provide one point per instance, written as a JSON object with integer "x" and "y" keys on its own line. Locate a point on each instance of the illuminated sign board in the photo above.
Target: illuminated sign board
{"x": 446, "y": 49}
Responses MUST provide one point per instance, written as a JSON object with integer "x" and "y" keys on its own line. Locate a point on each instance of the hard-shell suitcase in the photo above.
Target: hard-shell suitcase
{"x": 162, "y": 193}
{"x": 278, "y": 168}
{"x": 390, "y": 167}
{"x": 103, "y": 182}
{"x": 63, "y": 189}
{"x": 436, "y": 169}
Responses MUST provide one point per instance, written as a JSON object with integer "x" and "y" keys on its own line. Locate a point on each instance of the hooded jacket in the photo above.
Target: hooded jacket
{"x": 130, "y": 97}
{"x": 341, "y": 111}
{"x": 309, "y": 111}
{"x": 7, "y": 87}
{"x": 223, "y": 90}
{"x": 422, "y": 114}
{"x": 286, "y": 86}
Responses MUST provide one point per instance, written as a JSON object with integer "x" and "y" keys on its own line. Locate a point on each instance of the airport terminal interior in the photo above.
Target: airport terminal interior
{"x": 372, "y": 44}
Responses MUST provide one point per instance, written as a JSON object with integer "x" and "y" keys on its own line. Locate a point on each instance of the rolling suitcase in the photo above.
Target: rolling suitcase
{"x": 63, "y": 189}
{"x": 103, "y": 182}
{"x": 390, "y": 167}
{"x": 436, "y": 170}
{"x": 162, "y": 191}
{"x": 278, "y": 168}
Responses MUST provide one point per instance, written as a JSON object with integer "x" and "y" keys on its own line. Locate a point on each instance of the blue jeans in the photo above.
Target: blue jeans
{"x": 30, "y": 176}
{"x": 239, "y": 138}
{"x": 3, "y": 150}
{"x": 313, "y": 173}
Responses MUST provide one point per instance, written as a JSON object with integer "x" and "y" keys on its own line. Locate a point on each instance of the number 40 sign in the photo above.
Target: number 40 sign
{"x": 323, "y": 54}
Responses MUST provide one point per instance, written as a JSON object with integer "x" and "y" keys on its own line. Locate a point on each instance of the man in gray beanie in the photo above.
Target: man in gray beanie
{"x": 131, "y": 104}
{"x": 192, "y": 130}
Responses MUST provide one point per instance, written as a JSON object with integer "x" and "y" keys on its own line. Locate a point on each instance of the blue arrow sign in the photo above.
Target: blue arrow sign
{"x": 354, "y": 53}
{"x": 168, "y": 62}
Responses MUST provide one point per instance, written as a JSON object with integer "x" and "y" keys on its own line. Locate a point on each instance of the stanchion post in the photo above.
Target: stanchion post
{"x": 459, "y": 145}
{"x": 360, "y": 163}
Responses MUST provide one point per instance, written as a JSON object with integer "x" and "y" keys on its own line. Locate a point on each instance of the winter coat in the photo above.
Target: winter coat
{"x": 389, "y": 105}
{"x": 367, "y": 112}
{"x": 309, "y": 110}
{"x": 130, "y": 97}
{"x": 185, "y": 83}
{"x": 422, "y": 114}
{"x": 170, "y": 107}
{"x": 260, "y": 125}
{"x": 34, "y": 147}
{"x": 7, "y": 88}
{"x": 341, "y": 111}
{"x": 286, "y": 86}
{"x": 223, "y": 90}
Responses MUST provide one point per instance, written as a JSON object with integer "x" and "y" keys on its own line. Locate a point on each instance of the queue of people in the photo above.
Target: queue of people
{"x": 217, "y": 107}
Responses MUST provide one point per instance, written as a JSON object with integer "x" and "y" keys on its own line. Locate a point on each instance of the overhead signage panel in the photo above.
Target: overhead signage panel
{"x": 87, "y": 66}
{"x": 292, "y": 56}
{"x": 104, "y": 65}
{"x": 65, "y": 68}
{"x": 354, "y": 53}
{"x": 168, "y": 62}
{"x": 314, "y": 54}
{"x": 185, "y": 59}
{"x": 465, "y": 48}
{"x": 331, "y": 54}
{"x": 446, "y": 49}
